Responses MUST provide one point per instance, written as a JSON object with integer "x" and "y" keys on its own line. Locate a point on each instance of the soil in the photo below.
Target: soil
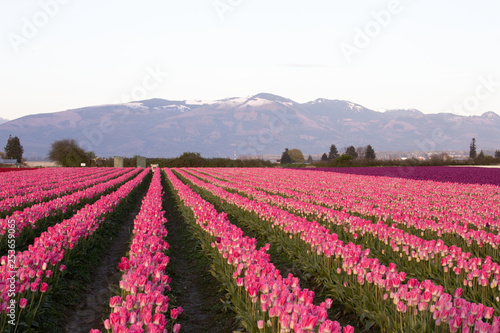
{"x": 89, "y": 314}
{"x": 193, "y": 286}
{"x": 287, "y": 266}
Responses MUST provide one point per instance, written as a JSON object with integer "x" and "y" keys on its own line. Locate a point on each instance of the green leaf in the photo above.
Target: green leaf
{"x": 369, "y": 325}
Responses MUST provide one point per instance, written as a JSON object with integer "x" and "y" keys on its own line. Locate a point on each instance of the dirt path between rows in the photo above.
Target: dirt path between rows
{"x": 193, "y": 286}
{"x": 89, "y": 313}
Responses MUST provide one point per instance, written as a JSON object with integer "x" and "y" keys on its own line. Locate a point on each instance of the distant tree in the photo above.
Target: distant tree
{"x": 333, "y": 154}
{"x": 68, "y": 153}
{"x": 285, "y": 158}
{"x": 439, "y": 159}
{"x": 351, "y": 151}
{"x": 370, "y": 153}
{"x": 497, "y": 154}
{"x": 296, "y": 156}
{"x": 309, "y": 159}
{"x": 324, "y": 157}
{"x": 481, "y": 155}
{"x": 90, "y": 158}
{"x": 2, "y": 155}
{"x": 361, "y": 151}
{"x": 189, "y": 159}
{"x": 13, "y": 149}
{"x": 344, "y": 159}
{"x": 472, "y": 151}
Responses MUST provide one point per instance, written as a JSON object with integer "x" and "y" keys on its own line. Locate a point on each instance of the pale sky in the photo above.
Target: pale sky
{"x": 435, "y": 56}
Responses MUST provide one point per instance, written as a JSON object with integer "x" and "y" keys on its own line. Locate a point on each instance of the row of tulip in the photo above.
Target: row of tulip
{"x": 15, "y": 183}
{"x": 476, "y": 240}
{"x": 364, "y": 275}
{"x": 142, "y": 305}
{"x": 31, "y": 215}
{"x": 270, "y": 302}
{"x": 479, "y": 242}
{"x": 449, "y": 266}
{"x": 402, "y": 199}
{"x": 23, "y": 182}
{"x": 32, "y": 271}
{"x": 462, "y": 175}
{"x": 66, "y": 186}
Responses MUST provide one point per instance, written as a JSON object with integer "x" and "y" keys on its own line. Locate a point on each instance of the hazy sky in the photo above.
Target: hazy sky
{"x": 435, "y": 56}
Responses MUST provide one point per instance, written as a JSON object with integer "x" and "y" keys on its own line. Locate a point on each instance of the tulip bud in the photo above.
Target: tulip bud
{"x": 23, "y": 302}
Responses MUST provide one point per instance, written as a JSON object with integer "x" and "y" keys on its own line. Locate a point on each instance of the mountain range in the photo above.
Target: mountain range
{"x": 255, "y": 125}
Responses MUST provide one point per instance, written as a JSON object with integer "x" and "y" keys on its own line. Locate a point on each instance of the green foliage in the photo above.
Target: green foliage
{"x": 69, "y": 154}
{"x": 195, "y": 160}
{"x": 285, "y": 157}
{"x": 435, "y": 160}
{"x": 13, "y": 149}
{"x": 482, "y": 159}
{"x": 351, "y": 151}
{"x": 333, "y": 154}
{"x": 296, "y": 156}
{"x": 472, "y": 151}
{"x": 324, "y": 157}
{"x": 343, "y": 160}
{"x": 370, "y": 153}
{"x": 190, "y": 159}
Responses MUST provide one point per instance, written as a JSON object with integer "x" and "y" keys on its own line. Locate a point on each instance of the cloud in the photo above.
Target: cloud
{"x": 303, "y": 65}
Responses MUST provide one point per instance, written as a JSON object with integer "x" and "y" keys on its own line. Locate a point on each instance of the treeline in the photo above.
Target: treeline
{"x": 442, "y": 159}
{"x": 366, "y": 157}
{"x": 434, "y": 160}
{"x": 67, "y": 153}
{"x": 185, "y": 160}
{"x": 195, "y": 160}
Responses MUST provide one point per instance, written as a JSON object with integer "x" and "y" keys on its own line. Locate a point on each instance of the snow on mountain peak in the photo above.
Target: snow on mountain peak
{"x": 354, "y": 107}
{"x": 200, "y": 102}
{"x": 490, "y": 115}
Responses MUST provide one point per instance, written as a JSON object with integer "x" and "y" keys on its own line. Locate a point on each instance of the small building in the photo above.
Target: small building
{"x": 118, "y": 162}
{"x": 141, "y": 162}
{"x": 42, "y": 164}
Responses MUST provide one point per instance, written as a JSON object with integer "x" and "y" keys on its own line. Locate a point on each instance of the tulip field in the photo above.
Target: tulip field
{"x": 409, "y": 251}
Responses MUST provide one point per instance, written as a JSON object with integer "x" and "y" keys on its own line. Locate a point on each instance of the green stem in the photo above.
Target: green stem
{"x": 18, "y": 318}
{"x": 36, "y": 309}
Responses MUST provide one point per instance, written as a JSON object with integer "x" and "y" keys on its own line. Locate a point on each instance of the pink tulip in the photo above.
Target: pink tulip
{"x": 174, "y": 313}
{"x": 229, "y": 244}
{"x": 437, "y": 291}
{"x": 309, "y": 322}
{"x": 23, "y": 302}
{"x": 401, "y": 307}
{"x": 348, "y": 329}
{"x": 114, "y": 301}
